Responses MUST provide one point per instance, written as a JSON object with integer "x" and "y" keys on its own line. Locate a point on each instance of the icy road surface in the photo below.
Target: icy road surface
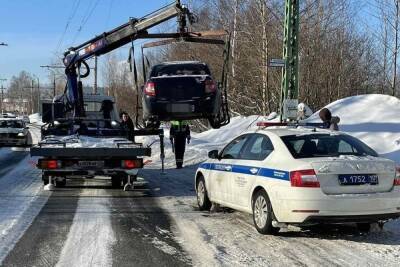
{"x": 89, "y": 224}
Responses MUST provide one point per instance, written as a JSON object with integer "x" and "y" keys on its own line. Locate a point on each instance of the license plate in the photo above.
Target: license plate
{"x": 182, "y": 108}
{"x": 91, "y": 164}
{"x": 358, "y": 179}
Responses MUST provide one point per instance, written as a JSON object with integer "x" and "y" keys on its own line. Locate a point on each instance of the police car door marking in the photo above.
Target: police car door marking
{"x": 264, "y": 172}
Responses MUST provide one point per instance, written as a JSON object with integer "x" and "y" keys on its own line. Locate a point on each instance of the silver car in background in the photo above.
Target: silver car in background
{"x": 13, "y": 132}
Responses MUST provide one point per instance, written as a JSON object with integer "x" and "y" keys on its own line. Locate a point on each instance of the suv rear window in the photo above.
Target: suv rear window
{"x": 325, "y": 145}
{"x": 179, "y": 69}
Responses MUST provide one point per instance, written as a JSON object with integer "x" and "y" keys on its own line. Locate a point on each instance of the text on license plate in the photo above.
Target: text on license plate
{"x": 88, "y": 164}
{"x": 358, "y": 179}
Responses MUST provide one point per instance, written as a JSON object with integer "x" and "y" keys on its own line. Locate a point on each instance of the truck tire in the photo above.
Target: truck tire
{"x": 115, "y": 181}
{"x": 61, "y": 183}
{"x": 45, "y": 179}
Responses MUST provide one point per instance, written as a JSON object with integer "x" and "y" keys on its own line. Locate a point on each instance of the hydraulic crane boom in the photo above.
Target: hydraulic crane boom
{"x": 108, "y": 41}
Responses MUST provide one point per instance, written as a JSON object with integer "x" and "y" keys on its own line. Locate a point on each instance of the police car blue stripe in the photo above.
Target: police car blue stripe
{"x": 251, "y": 170}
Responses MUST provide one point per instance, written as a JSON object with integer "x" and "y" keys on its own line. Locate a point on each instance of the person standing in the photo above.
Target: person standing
{"x": 179, "y": 134}
{"x": 127, "y": 125}
{"x": 329, "y": 121}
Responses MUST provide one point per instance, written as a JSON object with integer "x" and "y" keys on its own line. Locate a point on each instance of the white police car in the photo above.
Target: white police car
{"x": 300, "y": 176}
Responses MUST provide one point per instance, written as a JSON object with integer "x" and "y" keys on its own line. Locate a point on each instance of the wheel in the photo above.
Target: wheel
{"x": 45, "y": 179}
{"x": 263, "y": 214}
{"x": 115, "y": 181}
{"x": 364, "y": 227}
{"x": 202, "y": 197}
{"x": 61, "y": 183}
{"x": 214, "y": 123}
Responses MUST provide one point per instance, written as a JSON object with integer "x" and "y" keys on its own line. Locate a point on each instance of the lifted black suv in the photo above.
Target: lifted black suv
{"x": 181, "y": 90}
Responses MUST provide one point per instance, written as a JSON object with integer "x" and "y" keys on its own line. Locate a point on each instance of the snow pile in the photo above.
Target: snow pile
{"x": 372, "y": 118}
{"x": 35, "y": 118}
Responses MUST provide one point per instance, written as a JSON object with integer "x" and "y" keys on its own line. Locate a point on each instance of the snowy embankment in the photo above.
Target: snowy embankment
{"x": 372, "y": 118}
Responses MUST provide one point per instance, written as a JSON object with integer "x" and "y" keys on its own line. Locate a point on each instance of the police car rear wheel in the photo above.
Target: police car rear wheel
{"x": 262, "y": 214}
{"x": 203, "y": 201}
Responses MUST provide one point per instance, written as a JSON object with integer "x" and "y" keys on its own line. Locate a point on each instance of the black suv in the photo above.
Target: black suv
{"x": 181, "y": 90}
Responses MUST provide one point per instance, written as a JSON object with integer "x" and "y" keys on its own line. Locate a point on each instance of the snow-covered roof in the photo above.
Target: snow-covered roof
{"x": 283, "y": 131}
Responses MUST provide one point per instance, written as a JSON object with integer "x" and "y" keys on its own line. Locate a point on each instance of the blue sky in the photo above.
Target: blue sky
{"x": 33, "y": 28}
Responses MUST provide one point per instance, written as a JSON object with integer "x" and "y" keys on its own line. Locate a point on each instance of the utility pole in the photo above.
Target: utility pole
{"x": 32, "y": 87}
{"x": 290, "y": 73}
{"x": 2, "y": 94}
{"x": 51, "y": 68}
{"x": 95, "y": 75}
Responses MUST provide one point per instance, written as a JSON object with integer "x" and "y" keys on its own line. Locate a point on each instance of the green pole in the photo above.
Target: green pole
{"x": 290, "y": 73}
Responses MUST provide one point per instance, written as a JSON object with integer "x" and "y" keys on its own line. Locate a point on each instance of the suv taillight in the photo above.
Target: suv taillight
{"x": 304, "y": 178}
{"x": 150, "y": 89}
{"x": 396, "y": 181}
{"x": 210, "y": 86}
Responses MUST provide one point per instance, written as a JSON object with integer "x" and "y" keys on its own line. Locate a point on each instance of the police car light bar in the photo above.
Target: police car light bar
{"x": 293, "y": 124}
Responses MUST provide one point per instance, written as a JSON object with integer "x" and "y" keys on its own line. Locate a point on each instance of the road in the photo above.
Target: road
{"x": 89, "y": 224}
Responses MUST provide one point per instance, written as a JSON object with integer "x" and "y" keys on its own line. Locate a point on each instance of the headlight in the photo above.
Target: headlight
{"x": 21, "y": 134}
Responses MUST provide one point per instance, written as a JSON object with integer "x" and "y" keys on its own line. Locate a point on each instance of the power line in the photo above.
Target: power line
{"x": 85, "y": 19}
{"x": 74, "y": 9}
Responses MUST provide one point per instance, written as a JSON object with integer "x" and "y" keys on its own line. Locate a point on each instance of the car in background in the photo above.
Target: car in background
{"x": 300, "y": 176}
{"x": 25, "y": 118}
{"x": 13, "y": 132}
{"x": 8, "y": 115}
{"x": 180, "y": 90}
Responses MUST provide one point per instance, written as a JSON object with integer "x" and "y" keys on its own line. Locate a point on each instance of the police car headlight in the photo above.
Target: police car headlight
{"x": 21, "y": 134}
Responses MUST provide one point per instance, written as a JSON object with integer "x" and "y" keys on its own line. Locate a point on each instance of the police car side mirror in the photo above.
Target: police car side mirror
{"x": 213, "y": 154}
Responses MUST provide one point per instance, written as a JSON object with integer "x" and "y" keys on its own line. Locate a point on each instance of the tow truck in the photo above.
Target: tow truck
{"x": 80, "y": 140}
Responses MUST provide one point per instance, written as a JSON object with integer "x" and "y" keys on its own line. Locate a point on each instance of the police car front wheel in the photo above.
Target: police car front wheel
{"x": 262, "y": 214}
{"x": 203, "y": 201}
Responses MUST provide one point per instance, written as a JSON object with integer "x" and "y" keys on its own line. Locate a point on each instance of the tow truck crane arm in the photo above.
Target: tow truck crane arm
{"x": 135, "y": 29}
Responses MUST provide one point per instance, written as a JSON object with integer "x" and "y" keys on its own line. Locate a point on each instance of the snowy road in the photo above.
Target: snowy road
{"x": 90, "y": 224}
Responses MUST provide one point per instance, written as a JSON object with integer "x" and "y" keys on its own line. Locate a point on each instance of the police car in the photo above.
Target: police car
{"x": 300, "y": 176}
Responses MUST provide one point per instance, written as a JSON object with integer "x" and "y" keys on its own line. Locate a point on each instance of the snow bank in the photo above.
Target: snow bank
{"x": 372, "y": 118}
{"x": 35, "y": 119}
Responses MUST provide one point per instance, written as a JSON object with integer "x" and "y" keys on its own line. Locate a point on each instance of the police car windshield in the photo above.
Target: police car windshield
{"x": 325, "y": 145}
{"x": 11, "y": 124}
